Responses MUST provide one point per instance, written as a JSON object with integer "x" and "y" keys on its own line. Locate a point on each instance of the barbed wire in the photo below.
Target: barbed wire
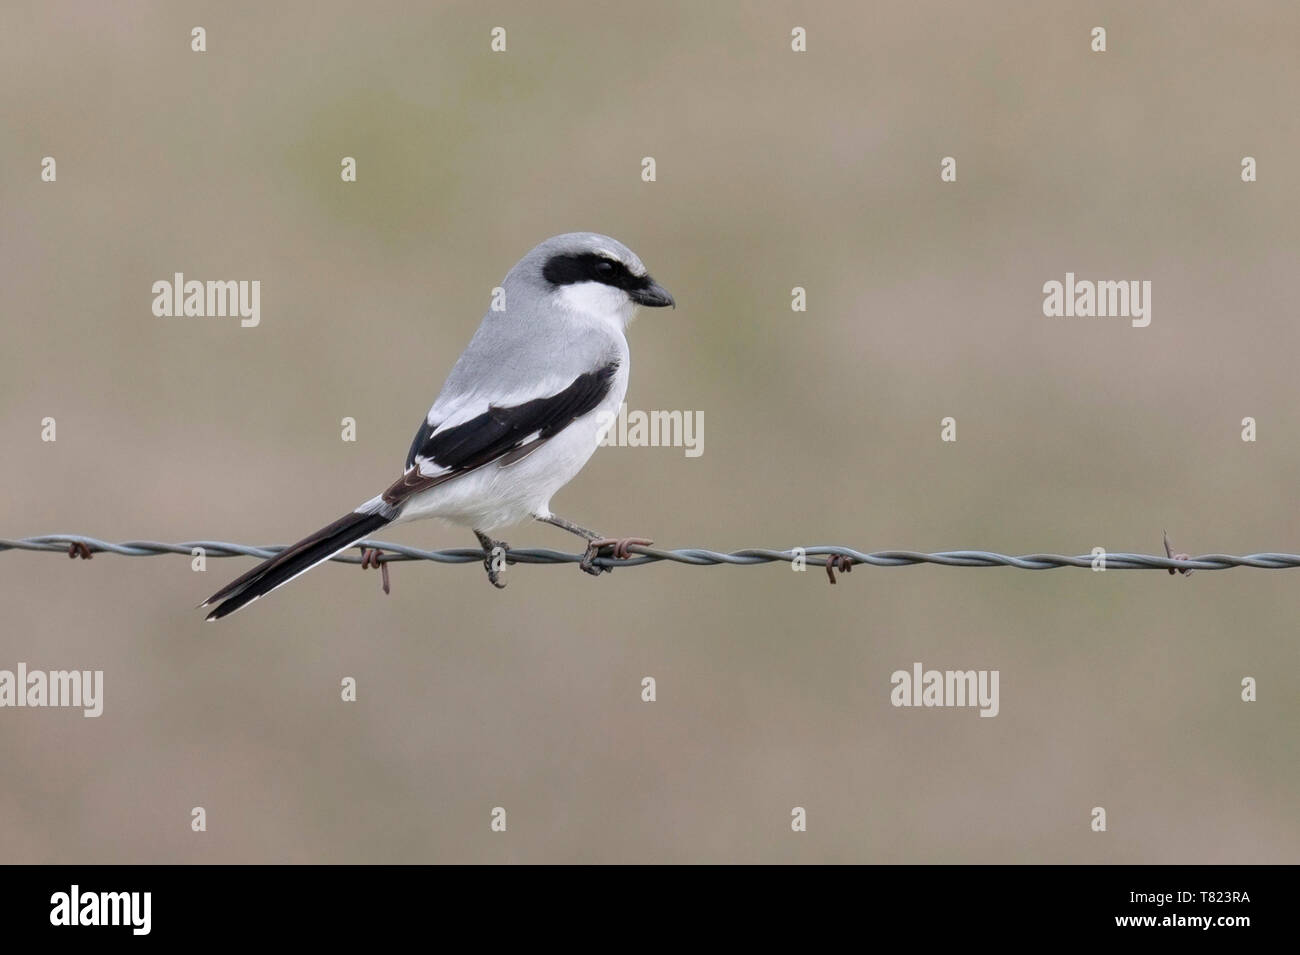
{"x": 835, "y": 557}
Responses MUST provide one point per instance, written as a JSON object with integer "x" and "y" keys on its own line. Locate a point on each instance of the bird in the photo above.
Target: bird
{"x": 520, "y": 414}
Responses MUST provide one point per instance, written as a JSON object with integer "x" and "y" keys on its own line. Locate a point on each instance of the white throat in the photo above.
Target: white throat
{"x": 594, "y": 301}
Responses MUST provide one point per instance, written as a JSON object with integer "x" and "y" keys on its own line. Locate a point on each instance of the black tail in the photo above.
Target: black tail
{"x": 292, "y": 561}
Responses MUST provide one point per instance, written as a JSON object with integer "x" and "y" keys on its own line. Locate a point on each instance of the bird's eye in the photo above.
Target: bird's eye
{"x": 605, "y": 267}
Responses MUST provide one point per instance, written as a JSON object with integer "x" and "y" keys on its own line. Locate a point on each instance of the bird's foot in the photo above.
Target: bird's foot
{"x": 79, "y": 549}
{"x": 841, "y": 562}
{"x": 618, "y": 550}
{"x": 494, "y": 559}
{"x": 370, "y": 557}
{"x": 494, "y": 562}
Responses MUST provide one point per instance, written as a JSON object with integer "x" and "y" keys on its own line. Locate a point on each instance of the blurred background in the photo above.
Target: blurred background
{"x": 774, "y": 169}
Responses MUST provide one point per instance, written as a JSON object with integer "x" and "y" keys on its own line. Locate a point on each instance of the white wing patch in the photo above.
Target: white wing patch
{"x": 455, "y": 410}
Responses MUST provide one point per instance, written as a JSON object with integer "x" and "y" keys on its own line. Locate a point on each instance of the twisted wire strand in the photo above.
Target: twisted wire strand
{"x": 696, "y": 556}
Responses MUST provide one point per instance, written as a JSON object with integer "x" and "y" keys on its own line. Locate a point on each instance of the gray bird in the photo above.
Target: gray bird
{"x": 521, "y": 412}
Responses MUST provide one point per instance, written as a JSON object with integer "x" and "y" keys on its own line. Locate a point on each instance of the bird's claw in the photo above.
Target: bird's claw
{"x": 79, "y": 549}
{"x": 494, "y": 562}
{"x": 370, "y": 558}
{"x": 494, "y": 558}
{"x": 836, "y": 562}
{"x": 618, "y": 550}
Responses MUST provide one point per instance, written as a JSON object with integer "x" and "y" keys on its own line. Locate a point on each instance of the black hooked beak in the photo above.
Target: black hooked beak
{"x": 652, "y": 295}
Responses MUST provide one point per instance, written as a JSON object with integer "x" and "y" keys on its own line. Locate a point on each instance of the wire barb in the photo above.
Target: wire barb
{"x": 831, "y": 557}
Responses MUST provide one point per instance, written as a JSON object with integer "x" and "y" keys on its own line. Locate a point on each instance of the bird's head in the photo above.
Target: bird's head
{"x": 592, "y": 274}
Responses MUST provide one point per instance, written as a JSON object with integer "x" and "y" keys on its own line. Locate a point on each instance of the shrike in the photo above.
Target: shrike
{"x": 520, "y": 414}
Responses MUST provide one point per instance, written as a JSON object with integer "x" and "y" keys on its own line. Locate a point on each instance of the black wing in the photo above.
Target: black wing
{"x": 499, "y": 432}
